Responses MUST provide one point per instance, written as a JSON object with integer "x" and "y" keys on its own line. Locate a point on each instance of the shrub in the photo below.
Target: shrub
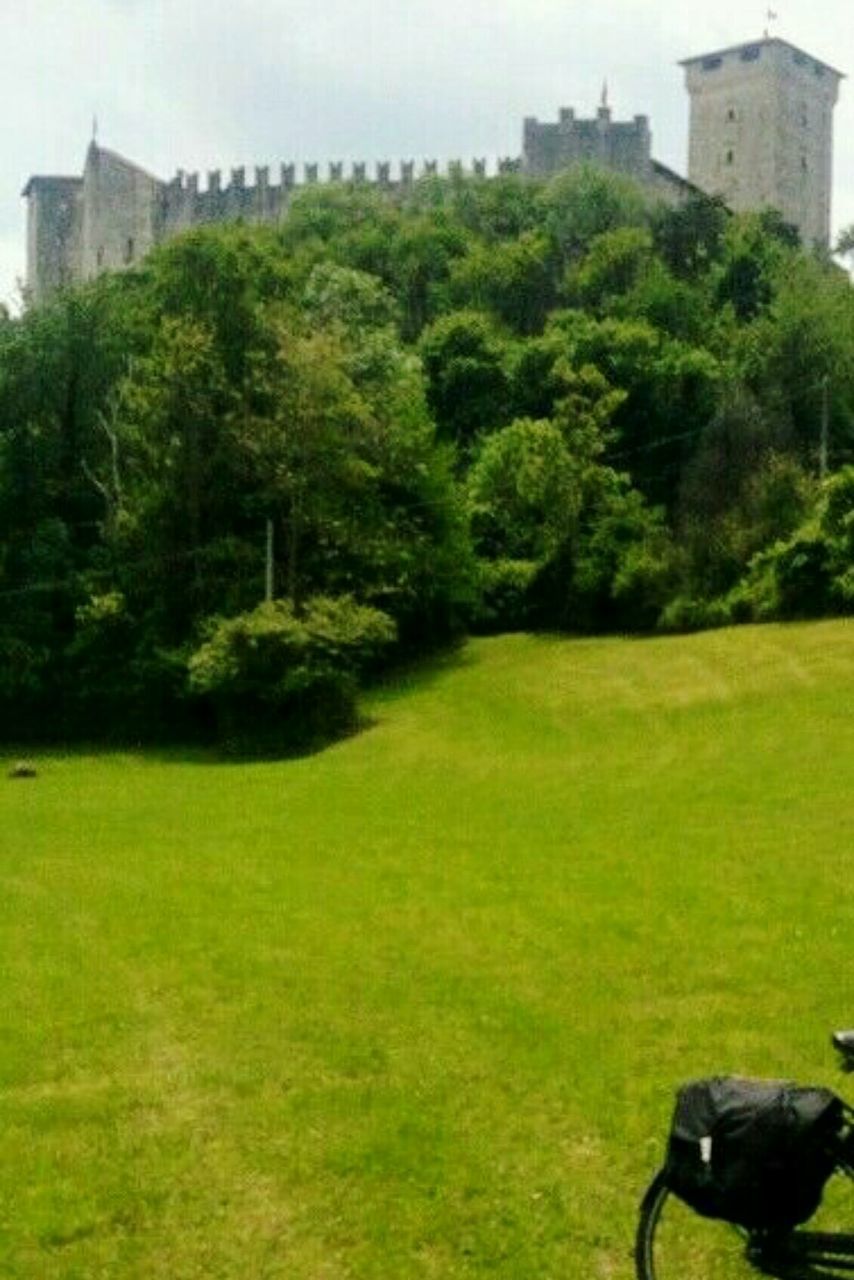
{"x": 803, "y": 573}
{"x": 684, "y": 613}
{"x": 282, "y": 680}
{"x": 504, "y": 594}
{"x": 810, "y": 573}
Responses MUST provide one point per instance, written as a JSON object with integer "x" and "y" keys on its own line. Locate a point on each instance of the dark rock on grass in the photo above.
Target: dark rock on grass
{"x": 23, "y": 769}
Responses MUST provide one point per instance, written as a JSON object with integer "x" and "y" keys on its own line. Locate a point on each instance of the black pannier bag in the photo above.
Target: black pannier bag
{"x": 753, "y": 1152}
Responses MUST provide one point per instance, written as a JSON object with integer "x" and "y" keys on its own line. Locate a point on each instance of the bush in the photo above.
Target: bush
{"x": 282, "y": 680}
{"x": 504, "y": 595}
{"x": 809, "y": 574}
{"x": 803, "y": 572}
{"x": 684, "y": 613}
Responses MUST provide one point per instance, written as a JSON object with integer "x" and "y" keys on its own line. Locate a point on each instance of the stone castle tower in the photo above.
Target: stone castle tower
{"x": 623, "y": 146}
{"x": 761, "y": 132}
{"x": 761, "y": 136}
{"x": 78, "y": 227}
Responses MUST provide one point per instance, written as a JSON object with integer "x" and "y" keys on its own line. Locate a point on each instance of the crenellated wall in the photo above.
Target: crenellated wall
{"x": 111, "y": 217}
{"x": 761, "y": 131}
{"x": 622, "y": 146}
{"x": 186, "y": 203}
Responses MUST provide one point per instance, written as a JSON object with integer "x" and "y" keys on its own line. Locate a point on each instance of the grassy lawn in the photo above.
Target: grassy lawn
{"x": 416, "y": 1007}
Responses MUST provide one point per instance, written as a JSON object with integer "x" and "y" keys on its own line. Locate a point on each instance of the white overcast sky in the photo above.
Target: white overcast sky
{"x": 205, "y": 84}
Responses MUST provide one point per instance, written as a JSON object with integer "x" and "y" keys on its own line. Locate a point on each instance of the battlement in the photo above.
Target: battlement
{"x": 624, "y": 146}
{"x": 187, "y": 201}
{"x": 382, "y": 173}
{"x": 113, "y": 214}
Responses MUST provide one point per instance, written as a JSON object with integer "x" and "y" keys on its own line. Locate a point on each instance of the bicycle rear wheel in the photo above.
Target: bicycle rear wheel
{"x": 674, "y": 1243}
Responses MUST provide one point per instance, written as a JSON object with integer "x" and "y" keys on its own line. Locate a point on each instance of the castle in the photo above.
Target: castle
{"x": 760, "y": 135}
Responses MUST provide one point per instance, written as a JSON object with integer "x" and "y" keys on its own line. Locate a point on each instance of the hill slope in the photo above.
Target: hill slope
{"x": 415, "y": 1007}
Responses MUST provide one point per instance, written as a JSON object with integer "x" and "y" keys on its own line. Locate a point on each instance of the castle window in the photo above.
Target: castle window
{"x": 129, "y": 250}
{"x": 730, "y": 115}
{"x": 99, "y": 256}
{"x": 730, "y": 157}
{"x": 804, "y": 165}
{"x": 711, "y": 64}
{"x": 751, "y": 53}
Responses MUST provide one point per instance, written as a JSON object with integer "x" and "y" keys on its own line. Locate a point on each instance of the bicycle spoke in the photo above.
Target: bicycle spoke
{"x": 674, "y": 1243}
{"x": 680, "y": 1244}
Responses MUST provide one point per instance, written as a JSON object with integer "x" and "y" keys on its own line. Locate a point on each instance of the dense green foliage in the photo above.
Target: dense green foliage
{"x": 479, "y": 404}
{"x": 278, "y": 678}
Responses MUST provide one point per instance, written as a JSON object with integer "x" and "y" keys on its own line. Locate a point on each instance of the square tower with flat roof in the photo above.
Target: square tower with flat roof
{"x": 761, "y": 133}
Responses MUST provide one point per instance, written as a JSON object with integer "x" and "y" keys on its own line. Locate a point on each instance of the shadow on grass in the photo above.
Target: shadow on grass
{"x": 399, "y": 682}
{"x": 420, "y": 674}
{"x": 166, "y": 754}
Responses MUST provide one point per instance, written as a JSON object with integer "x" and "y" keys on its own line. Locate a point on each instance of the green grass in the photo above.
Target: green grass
{"x": 416, "y": 1007}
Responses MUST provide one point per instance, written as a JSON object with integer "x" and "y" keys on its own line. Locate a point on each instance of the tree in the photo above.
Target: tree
{"x": 670, "y": 391}
{"x": 351, "y": 300}
{"x": 218, "y": 278}
{"x": 503, "y": 209}
{"x": 614, "y": 264}
{"x": 341, "y": 454}
{"x": 757, "y": 246}
{"x": 467, "y": 380}
{"x": 690, "y": 238}
{"x": 811, "y": 573}
{"x": 799, "y": 358}
{"x": 516, "y": 280}
{"x": 57, "y": 367}
{"x": 421, "y": 255}
{"x": 531, "y": 490}
{"x": 738, "y": 493}
{"x": 584, "y": 203}
{"x": 173, "y": 414}
{"x": 524, "y": 492}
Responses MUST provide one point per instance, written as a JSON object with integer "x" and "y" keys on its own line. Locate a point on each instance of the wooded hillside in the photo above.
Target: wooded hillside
{"x": 495, "y": 405}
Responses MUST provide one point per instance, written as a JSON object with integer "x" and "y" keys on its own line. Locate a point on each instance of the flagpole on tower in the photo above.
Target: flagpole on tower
{"x": 771, "y": 16}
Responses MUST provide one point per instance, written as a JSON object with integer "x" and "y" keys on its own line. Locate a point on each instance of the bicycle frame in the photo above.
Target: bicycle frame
{"x": 800, "y": 1254}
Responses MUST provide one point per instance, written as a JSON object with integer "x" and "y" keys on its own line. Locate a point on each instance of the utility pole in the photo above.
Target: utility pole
{"x": 825, "y": 427}
{"x": 268, "y": 576}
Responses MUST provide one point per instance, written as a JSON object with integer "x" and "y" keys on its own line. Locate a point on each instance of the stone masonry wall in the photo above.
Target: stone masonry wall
{"x": 121, "y": 204}
{"x": 54, "y": 219}
{"x": 761, "y": 131}
{"x": 623, "y": 146}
